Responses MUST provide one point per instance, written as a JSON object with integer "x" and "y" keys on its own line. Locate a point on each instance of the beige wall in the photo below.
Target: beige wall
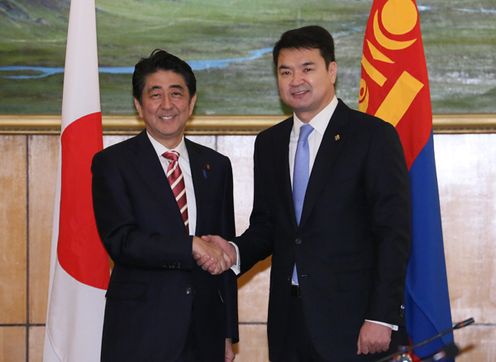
{"x": 466, "y": 173}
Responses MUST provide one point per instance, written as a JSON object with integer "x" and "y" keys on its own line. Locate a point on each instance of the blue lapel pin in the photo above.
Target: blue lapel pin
{"x": 206, "y": 169}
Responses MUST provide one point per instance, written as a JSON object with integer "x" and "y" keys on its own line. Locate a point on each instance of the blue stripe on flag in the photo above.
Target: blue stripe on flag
{"x": 427, "y": 298}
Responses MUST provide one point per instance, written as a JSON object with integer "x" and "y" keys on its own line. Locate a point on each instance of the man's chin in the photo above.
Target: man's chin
{"x": 300, "y": 108}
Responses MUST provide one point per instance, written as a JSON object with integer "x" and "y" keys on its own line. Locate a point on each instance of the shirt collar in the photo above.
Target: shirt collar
{"x": 160, "y": 148}
{"x": 320, "y": 121}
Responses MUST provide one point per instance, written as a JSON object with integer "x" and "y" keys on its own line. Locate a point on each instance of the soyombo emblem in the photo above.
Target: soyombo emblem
{"x": 387, "y": 44}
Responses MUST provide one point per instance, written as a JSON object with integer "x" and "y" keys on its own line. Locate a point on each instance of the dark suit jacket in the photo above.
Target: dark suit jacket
{"x": 157, "y": 294}
{"x": 352, "y": 245}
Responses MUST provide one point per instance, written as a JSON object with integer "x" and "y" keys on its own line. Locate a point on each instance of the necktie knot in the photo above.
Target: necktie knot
{"x": 305, "y": 131}
{"x": 171, "y": 155}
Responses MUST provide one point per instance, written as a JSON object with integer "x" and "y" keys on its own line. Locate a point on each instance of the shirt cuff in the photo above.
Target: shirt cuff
{"x": 392, "y": 326}
{"x": 236, "y": 268}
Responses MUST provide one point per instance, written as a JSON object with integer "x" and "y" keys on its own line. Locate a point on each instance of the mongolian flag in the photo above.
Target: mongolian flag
{"x": 395, "y": 87}
{"x": 79, "y": 270}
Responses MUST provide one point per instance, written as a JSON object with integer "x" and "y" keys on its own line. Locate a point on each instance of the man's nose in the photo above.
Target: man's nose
{"x": 296, "y": 79}
{"x": 166, "y": 102}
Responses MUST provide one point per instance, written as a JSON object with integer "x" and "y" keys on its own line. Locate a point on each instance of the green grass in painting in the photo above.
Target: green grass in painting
{"x": 459, "y": 41}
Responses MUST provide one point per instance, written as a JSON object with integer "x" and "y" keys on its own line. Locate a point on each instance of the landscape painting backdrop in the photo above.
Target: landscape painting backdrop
{"x": 228, "y": 43}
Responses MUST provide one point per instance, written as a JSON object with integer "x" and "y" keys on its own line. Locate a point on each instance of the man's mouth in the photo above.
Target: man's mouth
{"x": 299, "y": 92}
{"x": 166, "y": 117}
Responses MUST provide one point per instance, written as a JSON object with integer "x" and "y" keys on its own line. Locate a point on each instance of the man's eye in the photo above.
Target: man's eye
{"x": 306, "y": 70}
{"x": 176, "y": 94}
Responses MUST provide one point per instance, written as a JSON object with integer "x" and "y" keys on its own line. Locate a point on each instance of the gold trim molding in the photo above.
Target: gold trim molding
{"x": 225, "y": 125}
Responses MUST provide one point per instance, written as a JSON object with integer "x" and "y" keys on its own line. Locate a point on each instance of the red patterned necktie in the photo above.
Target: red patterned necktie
{"x": 176, "y": 181}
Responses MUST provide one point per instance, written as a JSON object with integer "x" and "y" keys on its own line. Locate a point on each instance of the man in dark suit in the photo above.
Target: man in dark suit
{"x": 151, "y": 194}
{"x": 331, "y": 205}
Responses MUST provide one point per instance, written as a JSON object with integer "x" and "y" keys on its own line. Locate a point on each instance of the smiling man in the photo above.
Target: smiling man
{"x": 152, "y": 194}
{"x": 331, "y": 205}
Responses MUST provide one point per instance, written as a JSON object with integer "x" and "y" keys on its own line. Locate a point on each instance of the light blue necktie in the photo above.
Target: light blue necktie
{"x": 300, "y": 177}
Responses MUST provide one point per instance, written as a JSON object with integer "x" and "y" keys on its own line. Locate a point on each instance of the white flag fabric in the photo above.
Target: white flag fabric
{"x": 79, "y": 269}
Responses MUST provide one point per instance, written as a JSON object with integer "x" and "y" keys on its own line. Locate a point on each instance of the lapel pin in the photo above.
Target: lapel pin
{"x": 206, "y": 169}
{"x": 337, "y": 137}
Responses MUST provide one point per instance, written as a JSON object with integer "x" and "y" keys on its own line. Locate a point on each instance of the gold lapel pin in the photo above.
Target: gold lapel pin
{"x": 337, "y": 137}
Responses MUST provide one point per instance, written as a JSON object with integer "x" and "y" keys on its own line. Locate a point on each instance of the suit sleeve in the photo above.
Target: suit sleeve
{"x": 114, "y": 198}
{"x": 389, "y": 201}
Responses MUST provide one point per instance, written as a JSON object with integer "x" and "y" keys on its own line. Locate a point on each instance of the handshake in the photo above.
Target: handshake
{"x": 213, "y": 253}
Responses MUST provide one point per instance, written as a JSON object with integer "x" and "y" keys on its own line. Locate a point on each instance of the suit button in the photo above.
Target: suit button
{"x": 189, "y": 291}
{"x": 297, "y": 241}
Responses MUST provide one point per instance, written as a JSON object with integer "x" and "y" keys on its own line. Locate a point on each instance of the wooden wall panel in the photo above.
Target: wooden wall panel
{"x": 35, "y": 344}
{"x": 254, "y": 345}
{"x": 110, "y": 140}
{"x": 467, "y": 183}
{"x": 466, "y": 173}
{"x": 240, "y": 150}
{"x": 12, "y": 344}
{"x": 253, "y": 294}
{"x": 207, "y": 141}
{"x": 43, "y": 159}
{"x": 479, "y": 342}
{"x": 13, "y": 264}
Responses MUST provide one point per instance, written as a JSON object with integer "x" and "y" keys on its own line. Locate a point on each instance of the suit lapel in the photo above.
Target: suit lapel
{"x": 329, "y": 150}
{"x": 144, "y": 158}
{"x": 199, "y": 173}
{"x": 282, "y": 172}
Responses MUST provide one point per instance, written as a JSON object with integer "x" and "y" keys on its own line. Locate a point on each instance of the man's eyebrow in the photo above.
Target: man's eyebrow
{"x": 176, "y": 86}
{"x": 308, "y": 63}
{"x": 172, "y": 86}
{"x": 154, "y": 87}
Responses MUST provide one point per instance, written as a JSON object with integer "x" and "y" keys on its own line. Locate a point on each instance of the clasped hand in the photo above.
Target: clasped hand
{"x": 213, "y": 253}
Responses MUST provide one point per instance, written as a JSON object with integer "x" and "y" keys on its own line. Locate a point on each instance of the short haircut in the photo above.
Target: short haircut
{"x": 161, "y": 60}
{"x": 307, "y": 37}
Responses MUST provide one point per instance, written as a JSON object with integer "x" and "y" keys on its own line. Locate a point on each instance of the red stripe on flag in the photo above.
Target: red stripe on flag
{"x": 80, "y": 250}
{"x": 394, "y": 84}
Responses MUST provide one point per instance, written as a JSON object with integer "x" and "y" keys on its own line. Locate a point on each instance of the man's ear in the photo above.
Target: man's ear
{"x": 138, "y": 107}
{"x": 333, "y": 71}
{"x": 192, "y": 103}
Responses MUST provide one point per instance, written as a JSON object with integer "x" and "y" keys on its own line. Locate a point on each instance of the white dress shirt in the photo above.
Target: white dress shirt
{"x": 185, "y": 169}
